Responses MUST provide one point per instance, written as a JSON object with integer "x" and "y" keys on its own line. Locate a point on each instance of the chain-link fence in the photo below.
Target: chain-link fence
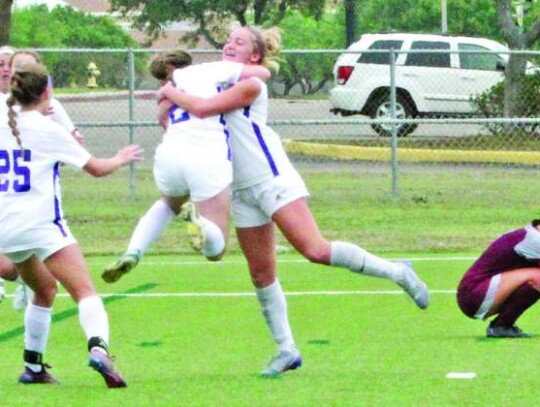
{"x": 433, "y": 105}
{"x": 444, "y": 154}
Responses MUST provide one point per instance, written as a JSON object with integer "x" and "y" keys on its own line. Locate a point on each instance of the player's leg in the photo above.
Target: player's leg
{"x": 298, "y": 225}
{"x": 37, "y": 321}
{"x": 149, "y": 228}
{"x": 258, "y": 246}
{"x": 8, "y": 272}
{"x": 69, "y": 267}
{"x": 517, "y": 291}
{"x": 208, "y": 224}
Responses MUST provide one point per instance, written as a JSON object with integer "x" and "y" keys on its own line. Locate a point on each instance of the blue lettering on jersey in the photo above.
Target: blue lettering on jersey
{"x": 17, "y": 165}
{"x": 177, "y": 114}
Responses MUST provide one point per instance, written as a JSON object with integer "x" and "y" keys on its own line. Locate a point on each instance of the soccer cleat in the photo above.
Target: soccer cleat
{"x": 2, "y": 290}
{"x": 103, "y": 364}
{"x": 31, "y": 377}
{"x": 195, "y": 228}
{"x": 22, "y": 297}
{"x": 285, "y": 360}
{"x": 497, "y": 331}
{"x": 413, "y": 286}
{"x": 122, "y": 266}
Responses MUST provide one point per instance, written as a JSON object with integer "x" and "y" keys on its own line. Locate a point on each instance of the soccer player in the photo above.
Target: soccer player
{"x": 12, "y": 61}
{"x": 5, "y": 71}
{"x": 7, "y": 268}
{"x": 268, "y": 191}
{"x": 192, "y": 162}
{"x": 34, "y": 231}
{"x": 504, "y": 281}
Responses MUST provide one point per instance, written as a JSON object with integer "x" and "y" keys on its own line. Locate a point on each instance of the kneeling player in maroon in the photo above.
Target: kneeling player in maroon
{"x": 504, "y": 281}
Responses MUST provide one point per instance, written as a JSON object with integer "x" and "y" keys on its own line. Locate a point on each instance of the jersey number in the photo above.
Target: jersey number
{"x": 16, "y": 163}
{"x": 177, "y": 115}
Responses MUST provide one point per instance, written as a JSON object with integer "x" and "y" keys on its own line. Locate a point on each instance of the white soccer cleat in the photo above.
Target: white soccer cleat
{"x": 195, "y": 228}
{"x": 285, "y": 360}
{"x": 413, "y": 286}
{"x": 123, "y": 265}
{"x": 22, "y": 297}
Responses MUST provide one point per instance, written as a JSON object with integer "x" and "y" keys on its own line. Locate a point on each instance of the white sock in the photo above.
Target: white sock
{"x": 151, "y": 226}
{"x": 215, "y": 242}
{"x": 274, "y": 310}
{"x": 93, "y": 318}
{"x": 356, "y": 259}
{"x": 37, "y": 324}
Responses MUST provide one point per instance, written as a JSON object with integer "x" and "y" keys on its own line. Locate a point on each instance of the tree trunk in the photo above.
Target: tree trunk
{"x": 513, "y": 85}
{"x": 5, "y": 21}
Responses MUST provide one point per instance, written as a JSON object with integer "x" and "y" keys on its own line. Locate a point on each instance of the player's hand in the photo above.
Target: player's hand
{"x": 129, "y": 154}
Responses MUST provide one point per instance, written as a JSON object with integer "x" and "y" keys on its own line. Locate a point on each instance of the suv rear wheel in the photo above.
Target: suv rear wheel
{"x": 381, "y": 109}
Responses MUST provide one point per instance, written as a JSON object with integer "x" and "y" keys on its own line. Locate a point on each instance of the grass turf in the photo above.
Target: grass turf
{"x": 368, "y": 347}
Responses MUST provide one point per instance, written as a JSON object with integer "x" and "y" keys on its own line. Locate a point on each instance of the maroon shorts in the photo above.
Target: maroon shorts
{"x": 471, "y": 293}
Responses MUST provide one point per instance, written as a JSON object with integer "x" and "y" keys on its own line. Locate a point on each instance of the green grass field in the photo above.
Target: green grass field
{"x": 189, "y": 333}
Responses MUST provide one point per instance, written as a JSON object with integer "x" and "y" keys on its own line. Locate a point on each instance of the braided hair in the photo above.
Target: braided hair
{"x": 27, "y": 86}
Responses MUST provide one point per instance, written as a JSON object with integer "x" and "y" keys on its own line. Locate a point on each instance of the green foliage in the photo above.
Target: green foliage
{"x": 490, "y": 104}
{"x": 212, "y": 18}
{"x": 309, "y": 71}
{"x": 475, "y": 18}
{"x": 63, "y": 27}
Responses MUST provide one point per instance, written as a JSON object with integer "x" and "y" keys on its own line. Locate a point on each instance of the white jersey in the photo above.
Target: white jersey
{"x": 30, "y": 198}
{"x": 59, "y": 114}
{"x": 203, "y": 80}
{"x": 258, "y": 153}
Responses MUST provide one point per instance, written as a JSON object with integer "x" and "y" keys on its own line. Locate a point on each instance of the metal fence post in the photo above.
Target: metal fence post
{"x": 132, "y": 124}
{"x": 394, "y": 141}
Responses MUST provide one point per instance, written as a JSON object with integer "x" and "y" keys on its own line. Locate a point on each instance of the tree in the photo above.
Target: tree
{"x": 518, "y": 38}
{"x": 309, "y": 71}
{"x": 5, "y": 21}
{"x": 465, "y": 17}
{"x": 32, "y": 27}
{"x": 211, "y": 19}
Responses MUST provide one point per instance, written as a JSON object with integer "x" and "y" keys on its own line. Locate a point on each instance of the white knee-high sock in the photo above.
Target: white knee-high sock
{"x": 151, "y": 226}
{"x": 356, "y": 259}
{"x": 215, "y": 241}
{"x": 93, "y": 318}
{"x": 37, "y": 324}
{"x": 274, "y": 310}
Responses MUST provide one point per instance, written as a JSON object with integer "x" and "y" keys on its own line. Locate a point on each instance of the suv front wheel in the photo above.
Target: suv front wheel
{"x": 381, "y": 109}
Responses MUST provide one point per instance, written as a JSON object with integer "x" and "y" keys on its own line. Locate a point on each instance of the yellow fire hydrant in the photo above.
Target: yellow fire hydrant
{"x": 93, "y": 72}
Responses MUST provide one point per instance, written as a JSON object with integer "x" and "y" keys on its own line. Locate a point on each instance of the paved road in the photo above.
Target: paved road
{"x": 104, "y": 140}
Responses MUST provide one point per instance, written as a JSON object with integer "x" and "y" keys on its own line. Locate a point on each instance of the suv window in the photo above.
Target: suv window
{"x": 480, "y": 61}
{"x": 380, "y": 57}
{"x": 438, "y": 59}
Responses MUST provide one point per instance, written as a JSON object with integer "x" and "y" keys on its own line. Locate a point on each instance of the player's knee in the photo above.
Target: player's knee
{"x": 46, "y": 293}
{"x": 319, "y": 254}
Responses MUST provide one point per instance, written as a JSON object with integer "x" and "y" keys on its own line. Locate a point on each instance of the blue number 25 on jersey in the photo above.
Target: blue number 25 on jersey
{"x": 14, "y": 161}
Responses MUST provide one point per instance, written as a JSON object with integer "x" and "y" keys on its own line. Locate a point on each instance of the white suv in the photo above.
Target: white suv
{"x": 427, "y": 84}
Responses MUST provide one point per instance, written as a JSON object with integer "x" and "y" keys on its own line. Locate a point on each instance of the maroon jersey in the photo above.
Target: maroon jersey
{"x": 515, "y": 249}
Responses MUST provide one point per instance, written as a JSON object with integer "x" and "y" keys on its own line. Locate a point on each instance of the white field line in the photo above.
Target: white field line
{"x": 252, "y": 294}
{"x": 280, "y": 261}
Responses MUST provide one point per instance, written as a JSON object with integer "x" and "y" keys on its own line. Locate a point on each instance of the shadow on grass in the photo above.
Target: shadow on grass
{"x": 19, "y": 331}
